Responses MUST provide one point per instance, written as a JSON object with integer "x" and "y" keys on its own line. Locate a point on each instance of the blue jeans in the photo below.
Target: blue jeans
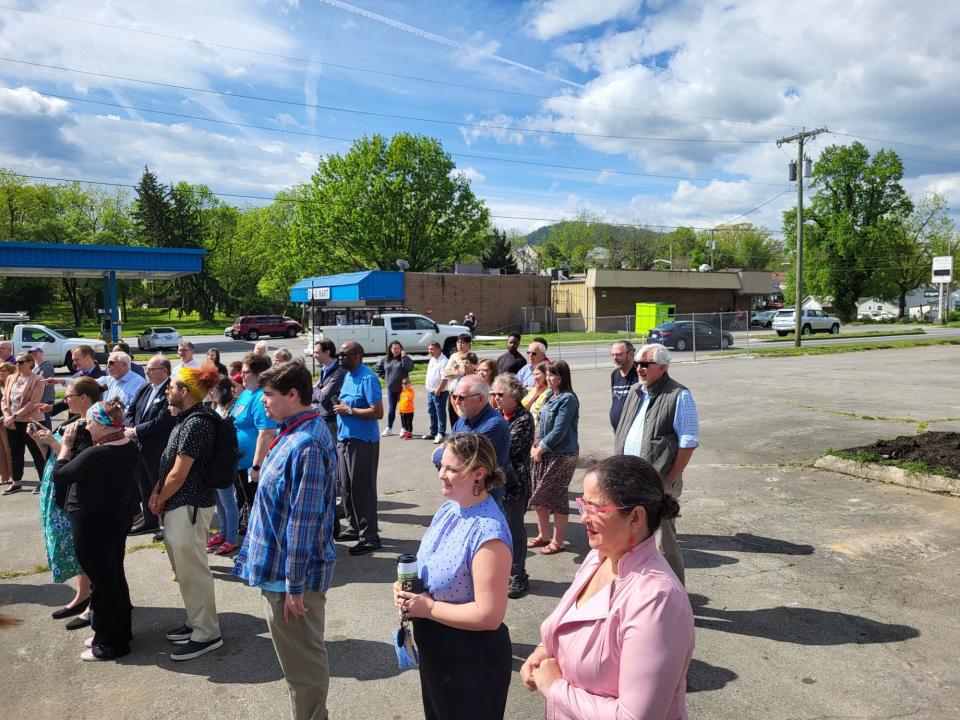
{"x": 437, "y": 409}
{"x": 229, "y": 513}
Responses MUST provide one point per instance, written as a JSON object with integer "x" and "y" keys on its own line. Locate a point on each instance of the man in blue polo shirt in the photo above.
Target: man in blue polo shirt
{"x": 358, "y": 448}
{"x": 472, "y": 397}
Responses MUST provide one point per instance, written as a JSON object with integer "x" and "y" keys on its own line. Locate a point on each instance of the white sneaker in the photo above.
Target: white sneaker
{"x": 387, "y": 432}
{"x": 438, "y": 439}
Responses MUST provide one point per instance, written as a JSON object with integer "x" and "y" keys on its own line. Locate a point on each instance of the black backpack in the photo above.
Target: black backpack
{"x": 221, "y": 471}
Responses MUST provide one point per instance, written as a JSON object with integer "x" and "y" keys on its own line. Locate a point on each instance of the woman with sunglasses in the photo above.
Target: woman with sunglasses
{"x": 22, "y": 392}
{"x": 98, "y": 480}
{"x": 619, "y": 642}
{"x": 464, "y": 562}
{"x": 62, "y": 560}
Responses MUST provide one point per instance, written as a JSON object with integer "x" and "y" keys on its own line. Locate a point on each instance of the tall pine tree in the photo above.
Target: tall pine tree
{"x": 498, "y": 253}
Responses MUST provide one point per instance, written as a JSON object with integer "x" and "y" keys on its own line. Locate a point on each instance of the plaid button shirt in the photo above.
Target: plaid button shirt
{"x": 290, "y": 532}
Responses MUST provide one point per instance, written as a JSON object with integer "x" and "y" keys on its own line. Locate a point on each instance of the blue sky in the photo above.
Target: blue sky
{"x": 664, "y": 113}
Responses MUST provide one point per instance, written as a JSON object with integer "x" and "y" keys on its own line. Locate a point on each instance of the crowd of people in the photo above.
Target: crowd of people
{"x": 289, "y": 462}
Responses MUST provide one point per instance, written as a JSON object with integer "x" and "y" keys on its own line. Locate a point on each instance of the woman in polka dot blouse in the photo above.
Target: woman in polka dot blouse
{"x": 464, "y": 562}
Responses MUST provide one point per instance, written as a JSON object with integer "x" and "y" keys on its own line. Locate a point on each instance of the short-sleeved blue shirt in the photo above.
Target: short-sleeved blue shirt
{"x": 446, "y": 552}
{"x": 249, "y": 417}
{"x": 361, "y": 389}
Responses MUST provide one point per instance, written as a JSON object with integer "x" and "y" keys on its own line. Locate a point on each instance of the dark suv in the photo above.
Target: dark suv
{"x": 252, "y": 327}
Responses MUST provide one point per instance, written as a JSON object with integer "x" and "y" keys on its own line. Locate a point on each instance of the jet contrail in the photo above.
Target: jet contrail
{"x": 433, "y": 37}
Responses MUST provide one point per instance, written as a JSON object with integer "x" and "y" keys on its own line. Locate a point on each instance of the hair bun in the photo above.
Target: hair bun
{"x": 669, "y": 507}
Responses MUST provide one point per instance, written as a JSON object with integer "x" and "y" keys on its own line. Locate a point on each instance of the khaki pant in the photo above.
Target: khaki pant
{"x": 186, "y": 543}
{"x": 667, "y": 536}
{"x": 302, "y": 655}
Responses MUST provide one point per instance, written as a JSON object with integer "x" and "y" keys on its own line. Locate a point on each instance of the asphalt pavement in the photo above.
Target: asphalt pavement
{"x": 816, "y": 595}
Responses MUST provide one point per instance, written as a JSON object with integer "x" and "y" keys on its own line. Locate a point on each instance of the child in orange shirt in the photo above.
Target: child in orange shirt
{"x": 405, "y": 406}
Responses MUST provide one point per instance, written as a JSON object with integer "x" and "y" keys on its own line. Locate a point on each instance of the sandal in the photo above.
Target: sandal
{"x": 537, "y": 542}
{"x": 14, "y": 488}
{"x": 552, "y": 549}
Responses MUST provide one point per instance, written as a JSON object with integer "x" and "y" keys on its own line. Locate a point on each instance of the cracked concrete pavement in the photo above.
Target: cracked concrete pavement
{"x": 816, "y": 595}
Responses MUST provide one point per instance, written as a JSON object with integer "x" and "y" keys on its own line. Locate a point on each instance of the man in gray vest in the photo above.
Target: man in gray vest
{"x": 659, "y": 423}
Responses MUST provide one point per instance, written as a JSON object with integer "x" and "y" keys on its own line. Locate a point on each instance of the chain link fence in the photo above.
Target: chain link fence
{"x": 585, "y": 342}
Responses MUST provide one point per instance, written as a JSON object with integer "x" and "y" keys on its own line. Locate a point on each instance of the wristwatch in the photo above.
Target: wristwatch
{"x": 255, "y": 467}
{"x": 349, "y": 409}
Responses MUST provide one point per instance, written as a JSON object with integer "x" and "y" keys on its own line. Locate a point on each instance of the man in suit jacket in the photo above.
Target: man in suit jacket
{"x": 149, "y": 422}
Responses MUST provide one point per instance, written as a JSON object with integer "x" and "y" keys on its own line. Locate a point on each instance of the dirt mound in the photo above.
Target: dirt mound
{"x": 937, "y": 450}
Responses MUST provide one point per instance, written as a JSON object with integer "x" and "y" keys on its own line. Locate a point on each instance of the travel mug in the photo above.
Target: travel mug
{"x": 407, "y": 574}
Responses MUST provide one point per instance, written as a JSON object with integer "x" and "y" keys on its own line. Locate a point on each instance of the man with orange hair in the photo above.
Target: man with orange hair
{"x": 187, "y": 506}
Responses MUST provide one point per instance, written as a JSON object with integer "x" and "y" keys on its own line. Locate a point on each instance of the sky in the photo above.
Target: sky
{"x": 653, "y": 112}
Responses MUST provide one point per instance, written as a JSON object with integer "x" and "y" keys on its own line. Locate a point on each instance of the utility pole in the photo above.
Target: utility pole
{"x": 798, "y": 310}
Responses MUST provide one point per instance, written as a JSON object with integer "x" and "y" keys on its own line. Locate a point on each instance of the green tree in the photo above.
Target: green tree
{"x": 575, "y": 242}
{"x": 855, "y": 199}
{"x": 385, "y": 201}
{"x": 499, "y": 252}
{"x": 913, "y": 241}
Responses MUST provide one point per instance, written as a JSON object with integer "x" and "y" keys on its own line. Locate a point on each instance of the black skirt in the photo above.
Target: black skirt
{"x": 464, "y": 674}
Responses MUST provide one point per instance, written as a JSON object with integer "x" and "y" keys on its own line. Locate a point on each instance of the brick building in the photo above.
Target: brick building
{"x": 603, "y": 293}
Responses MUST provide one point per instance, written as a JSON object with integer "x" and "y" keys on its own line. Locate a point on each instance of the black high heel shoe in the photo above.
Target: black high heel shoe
{"x": 66, "y": 612}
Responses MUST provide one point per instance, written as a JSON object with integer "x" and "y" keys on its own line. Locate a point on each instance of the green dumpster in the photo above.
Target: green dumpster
{"x": 649, "y": 315}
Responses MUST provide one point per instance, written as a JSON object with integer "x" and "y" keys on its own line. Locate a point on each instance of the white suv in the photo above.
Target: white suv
{"x": 812, "y": 321}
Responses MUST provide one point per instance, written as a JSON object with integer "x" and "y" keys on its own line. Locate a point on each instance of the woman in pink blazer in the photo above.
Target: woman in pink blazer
{"x": 21, "y": 394}
{"x": 619, "y": 643}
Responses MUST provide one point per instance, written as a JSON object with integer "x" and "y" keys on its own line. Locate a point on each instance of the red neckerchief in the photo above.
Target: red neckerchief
{"x": 302, "y": 419}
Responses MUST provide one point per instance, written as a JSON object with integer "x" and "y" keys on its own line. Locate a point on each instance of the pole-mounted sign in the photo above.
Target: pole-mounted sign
{"x": 943, "y": 269}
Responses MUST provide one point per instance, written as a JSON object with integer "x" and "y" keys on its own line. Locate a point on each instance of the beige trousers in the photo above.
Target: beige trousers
{"x": 301, "y": 652}
{"x": 667, "y": 537}
{"x": 187, "y": 549}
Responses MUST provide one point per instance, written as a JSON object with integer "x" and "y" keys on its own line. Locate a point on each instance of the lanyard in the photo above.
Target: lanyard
{"x": 302, "y": 419}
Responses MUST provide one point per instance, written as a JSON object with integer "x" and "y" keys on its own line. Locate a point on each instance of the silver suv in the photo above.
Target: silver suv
{"x": 812, "y": 321}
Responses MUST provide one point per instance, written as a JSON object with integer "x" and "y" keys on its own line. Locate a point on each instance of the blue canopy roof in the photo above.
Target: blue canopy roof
{"x": 29, "y": 259}
{"x": 360, "y": 287}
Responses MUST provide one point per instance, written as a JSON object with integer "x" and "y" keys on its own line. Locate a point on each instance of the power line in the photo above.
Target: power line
{"x": 350, "y": 140}
{"x": 370, "y": 113}
{"x": 383, "y": 73}
{"x": 932, "y": 148}
{"x": 241, "y": 196}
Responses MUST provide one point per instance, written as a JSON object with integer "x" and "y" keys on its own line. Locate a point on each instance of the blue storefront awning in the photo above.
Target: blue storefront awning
{"x": 29, "y": 259}
{"x": 363, "y": 288}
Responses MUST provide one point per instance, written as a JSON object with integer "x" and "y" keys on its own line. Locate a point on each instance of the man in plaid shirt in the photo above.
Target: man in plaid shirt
{"x": 288, "y": 552}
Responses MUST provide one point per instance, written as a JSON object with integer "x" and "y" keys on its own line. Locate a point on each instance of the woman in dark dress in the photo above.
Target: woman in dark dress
{"x": 393, "y": 368}
{"x": 97, "y": 483}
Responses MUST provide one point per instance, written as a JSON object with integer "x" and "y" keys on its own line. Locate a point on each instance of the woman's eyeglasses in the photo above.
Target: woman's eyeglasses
{"x": 590, "y": 510}
{"x": 497, "y": 395}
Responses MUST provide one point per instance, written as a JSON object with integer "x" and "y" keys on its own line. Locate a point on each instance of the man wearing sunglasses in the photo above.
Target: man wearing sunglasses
{"x": 358, "y": 448}
{"x": 472, "y": 397}
{"x": 659, "y": 423}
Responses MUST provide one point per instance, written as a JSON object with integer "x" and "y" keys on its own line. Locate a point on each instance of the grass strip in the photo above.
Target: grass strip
{"x": 915, "y": 466}
{"x": 36, "y": 570}
{"x": 852, "y": 347}
{"x": 851, "y": 336}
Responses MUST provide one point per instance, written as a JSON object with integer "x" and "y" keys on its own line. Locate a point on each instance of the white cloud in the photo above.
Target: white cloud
{"x": 556, "y": 17}
{"x": 605, "y": 176}
{"x": 470, "y": 173}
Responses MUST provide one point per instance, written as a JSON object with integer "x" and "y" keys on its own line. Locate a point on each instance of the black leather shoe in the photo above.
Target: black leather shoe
{"x": 158, "y": 536}
{"x": 142, "y": 529}
{"x": 66, "y": 612}
{"x": 77, "y": 623}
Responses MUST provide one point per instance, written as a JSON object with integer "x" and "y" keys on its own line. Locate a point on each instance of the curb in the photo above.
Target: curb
{"x": 890, "y": 474}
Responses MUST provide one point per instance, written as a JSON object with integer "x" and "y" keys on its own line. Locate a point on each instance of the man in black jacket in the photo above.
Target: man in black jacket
{"x": 149, "y": 422}
{"x": 326, "y": 391}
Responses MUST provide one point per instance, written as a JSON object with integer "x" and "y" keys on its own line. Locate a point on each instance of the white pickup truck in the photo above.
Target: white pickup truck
{"x": 56, "y": 347}
{"x": 812, "y": 321}
{"x": 415, "y": 333}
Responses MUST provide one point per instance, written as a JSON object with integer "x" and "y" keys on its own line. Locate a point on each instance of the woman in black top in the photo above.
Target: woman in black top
{"x": 98, "y": 484}
{"x": 393, "y": 368}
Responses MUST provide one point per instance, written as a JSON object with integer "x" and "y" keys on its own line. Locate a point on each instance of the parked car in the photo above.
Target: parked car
{"x": 678, "y": 334}
{"x": 228, "y": 331}
{"x": 56, "y": 347}
{"x": 252, "y": 327}
{"x": 763, "y": 319}
{"x": 415, "y": 332}
{"x": 813, "y": 321}
{"x": 876, "y": 315}
{"x": 158, "y": 338}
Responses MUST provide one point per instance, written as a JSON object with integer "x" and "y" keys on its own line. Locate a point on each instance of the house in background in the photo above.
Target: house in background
{"x": 876, "y": 308}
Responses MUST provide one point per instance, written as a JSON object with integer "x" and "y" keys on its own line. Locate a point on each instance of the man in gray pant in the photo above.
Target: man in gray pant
{"x": 358, "y": 448}
{"x": 659, "y": 423}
